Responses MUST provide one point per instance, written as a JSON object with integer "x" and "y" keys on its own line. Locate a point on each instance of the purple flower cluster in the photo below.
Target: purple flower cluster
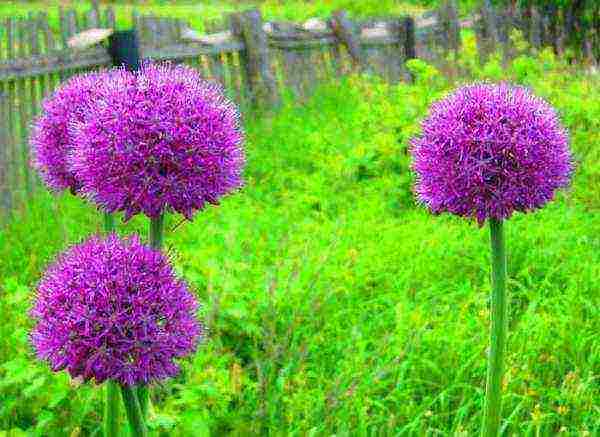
{"x": 114, "y": 309}
{"x": 161, "y": 139}
{"x": 51, "y": 140}
{"x": 488, "y": 150}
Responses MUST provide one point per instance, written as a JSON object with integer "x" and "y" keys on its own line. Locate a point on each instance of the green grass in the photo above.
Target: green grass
{"x": 335, "y": 304}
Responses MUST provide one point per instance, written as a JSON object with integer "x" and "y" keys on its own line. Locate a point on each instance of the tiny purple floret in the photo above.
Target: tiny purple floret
{"x": 489, "y": 150}
{"x": 113, "y": 309}
{"x": 162, "y": 140}
{"x": 51, "y": 139}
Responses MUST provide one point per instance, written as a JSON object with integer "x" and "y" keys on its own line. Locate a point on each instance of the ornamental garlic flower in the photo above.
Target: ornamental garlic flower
{"x": 51, "y": 140}
{"x": 161, "y": 140}
{"x": 488, "y": 150}
{"x": 114, "y": 309}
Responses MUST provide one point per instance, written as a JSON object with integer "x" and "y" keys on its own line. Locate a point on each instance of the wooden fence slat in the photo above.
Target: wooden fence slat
{"x": 215, "y": 63}
{"x": 596, "y": 34}
{"x": 33, "y": 80}
{"x": 486, "y": 31}
{"x": 64, "y": 32}
{"x": 109, "y": 18}
{"x": 11, "y": 101}
{"x": 334, "y": 52}
{"x": 448, "y": 19}
{"x": 346, "y": 33}
{"x": 262, "y": 85}
{"x": 22, "y": 97}
{"x": 235, "y": 25}
{"x": 5, "y": 157}
{"x": 50, "y": 45}
{"x": 535, "y": 29}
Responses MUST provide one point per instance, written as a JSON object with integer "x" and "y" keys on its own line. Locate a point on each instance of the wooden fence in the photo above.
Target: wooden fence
{"x": 253, "y": 60}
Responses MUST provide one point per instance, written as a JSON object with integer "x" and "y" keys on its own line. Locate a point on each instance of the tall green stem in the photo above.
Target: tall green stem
{"x": 134, "y": 413}
{"x": 111, "y": 411}
{"x": 109, "y": 223}
{"x": 156, "y": 232}
{"x": 493, "y": 390}
{"x": 156, "y": 241}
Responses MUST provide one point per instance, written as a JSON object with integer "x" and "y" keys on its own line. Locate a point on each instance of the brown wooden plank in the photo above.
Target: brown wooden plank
{"x": 60, "y": 61}
{"x": 64, "y": 37}
{"x": 22, "y": 103}
{"x": 235, "y": 24}
{"x": 535, "y": 31}
{"x": 396, "y": 56}
{"x": 346, "y": 33}
{"x": 215, "y": 63}
{"x": 34, "y": 80}
{"x": 335, "y": 53}
{"x": 6, "y": 200}
{"x": 50, "y": 47}
{"x": 12, "y": 104}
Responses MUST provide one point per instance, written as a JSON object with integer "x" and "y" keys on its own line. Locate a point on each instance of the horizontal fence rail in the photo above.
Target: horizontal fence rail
{"x": 256, "y": 61}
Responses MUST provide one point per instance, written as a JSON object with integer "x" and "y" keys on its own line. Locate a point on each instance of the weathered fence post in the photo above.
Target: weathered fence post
{"x": 346, "y": 33}
{"x": 262, "y": 85}
{"x": 235, "y": 25}
{"x": 11, "y": 105}
{"x": 535, "y": 29}
{"x": 5, "y": 160}
{"x": 596, "y": 33}
{"x": 124, "y": 49}
{"x": 410, "y": 43}
{"x": 574, "y": 26}
{"x": 448, "y": 19}
{"x": 22, "y": 45}
{"x": 486, "y": 31}
{"x": 215, "y": 63}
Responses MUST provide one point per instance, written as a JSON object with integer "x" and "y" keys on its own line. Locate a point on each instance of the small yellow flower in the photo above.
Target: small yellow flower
{"x": 537, "y": 415}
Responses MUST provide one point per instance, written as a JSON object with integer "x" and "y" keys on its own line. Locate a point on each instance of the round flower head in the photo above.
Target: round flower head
{"x": 113, "y": 309}
{"x": 488, "y": 150}
{"x": 162, "y": 140}
{"x": 51, "y": 140}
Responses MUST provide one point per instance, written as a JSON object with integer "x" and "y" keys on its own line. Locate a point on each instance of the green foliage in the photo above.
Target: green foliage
{"x": 335, "y": 304}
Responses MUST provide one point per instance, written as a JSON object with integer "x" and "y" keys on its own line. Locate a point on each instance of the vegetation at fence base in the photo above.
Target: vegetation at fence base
{"x": 335, "y": 304}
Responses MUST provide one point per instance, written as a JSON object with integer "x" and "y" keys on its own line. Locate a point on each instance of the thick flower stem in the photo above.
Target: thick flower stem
{"x": 134, "y": 413}
{"x": 493, "y": 391}
{"x": 111, "y": 414}
{"x": 156, "y": 232}
{"x": 109, "y": 223}
{"x": 156, "y": 241}
{"x": 111, "y": 411}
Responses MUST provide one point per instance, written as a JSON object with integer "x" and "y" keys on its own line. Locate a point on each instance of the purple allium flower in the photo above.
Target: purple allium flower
{"x": 114, "y": 309}
{"x": 51, "y": 140}
{"x": 162, "y": 140}
{"x": 488, "y": 150}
